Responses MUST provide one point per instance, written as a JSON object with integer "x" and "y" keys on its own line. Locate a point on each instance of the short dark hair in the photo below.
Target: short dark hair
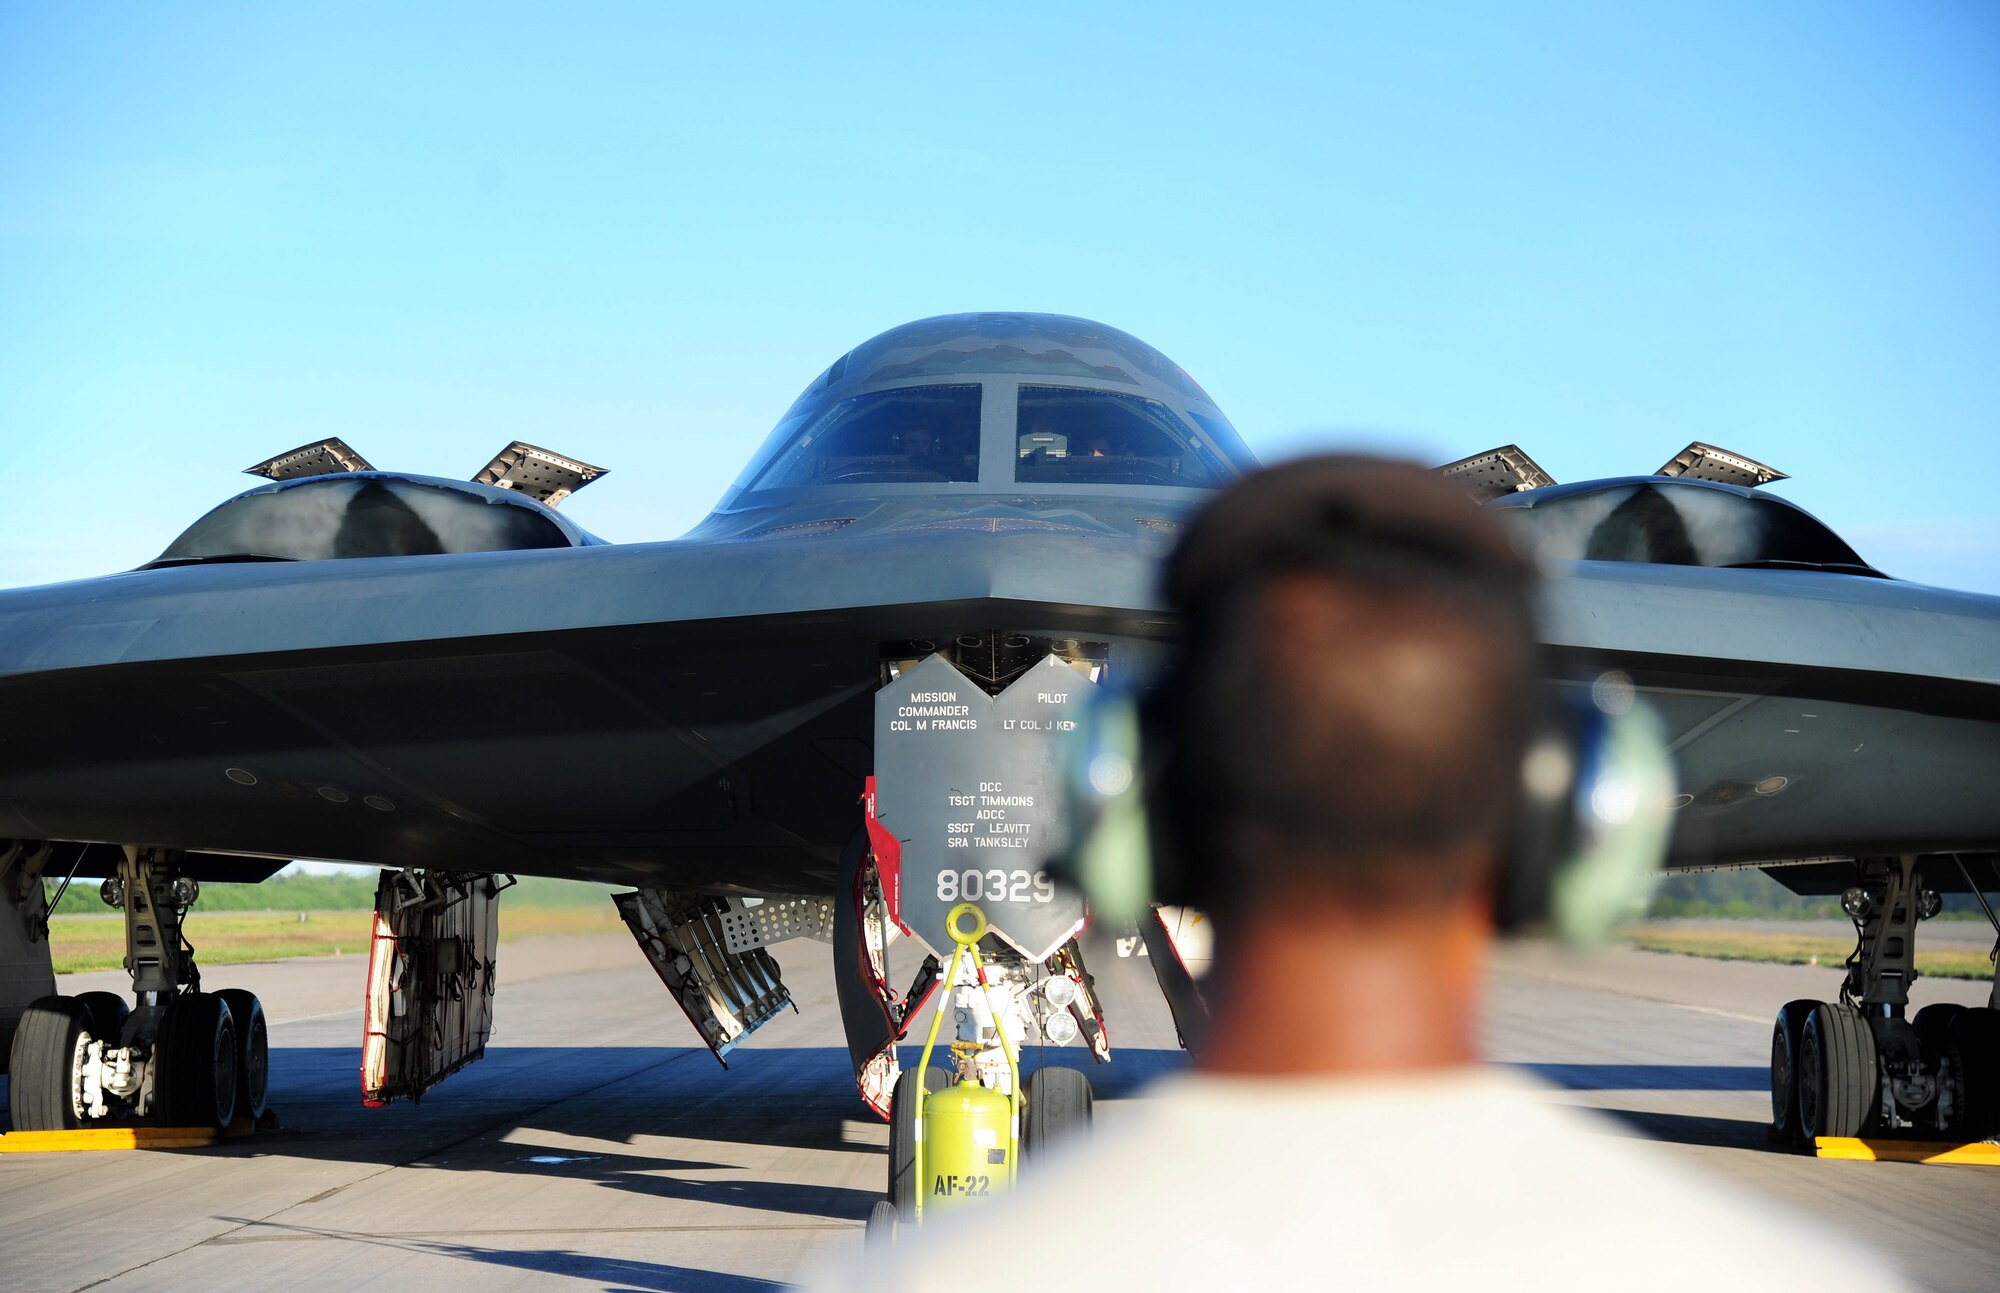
{"x": 1355, "y": 688}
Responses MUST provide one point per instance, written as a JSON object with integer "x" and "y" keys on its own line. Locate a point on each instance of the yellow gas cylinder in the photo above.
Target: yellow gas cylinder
{"x": 967, "y": 1144}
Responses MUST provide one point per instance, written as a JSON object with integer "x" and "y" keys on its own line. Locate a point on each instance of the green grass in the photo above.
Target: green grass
{"x": 304, "y": 915}
{"x": 97, "y": 941}
{"x": 1746, "y": 892}
{"x": 1797, "y": 949}
{"x": 339, "y": 891}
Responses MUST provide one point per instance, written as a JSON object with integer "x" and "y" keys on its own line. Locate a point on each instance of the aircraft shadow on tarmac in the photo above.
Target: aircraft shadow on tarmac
{"x": 1652, "y": 1077}
{"x": 1678, "y": 1128}
{"x": 1695, "y": 1129}
{"x": 618, "y": 1274}
{"x": 486, "y": 1118}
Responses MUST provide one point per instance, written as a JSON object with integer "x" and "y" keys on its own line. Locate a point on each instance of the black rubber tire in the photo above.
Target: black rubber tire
{"x": 1974, "y": 1041}
{"x": 41, "y": 1092}
{"x": 1933, "y": 1024}
{"x": 253, "y": 1051}
{"x": 1839, "y": 1083}
{"x": 1785, "y": 1032}
{"x": 106, "y": 1012}
{"x": 197, "y": 1052}
{"x": 1059, "y": 1105}
{"x": 903, "y": 1139}
{"x": 883, "y": 1220}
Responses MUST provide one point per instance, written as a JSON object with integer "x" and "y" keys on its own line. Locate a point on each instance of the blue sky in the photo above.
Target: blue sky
{"x": 632, "y": 233}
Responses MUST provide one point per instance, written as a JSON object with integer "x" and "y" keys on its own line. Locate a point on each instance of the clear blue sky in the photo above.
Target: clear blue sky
{"x": 633, "y": 232}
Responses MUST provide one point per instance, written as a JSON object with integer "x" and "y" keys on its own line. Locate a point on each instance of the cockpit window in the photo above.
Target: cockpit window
{"x": 916, "y": 434}
{"x": 1085, "y": 437}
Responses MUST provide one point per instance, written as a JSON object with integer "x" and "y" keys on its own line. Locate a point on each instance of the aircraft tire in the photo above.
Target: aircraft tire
{"x": 1933, "y": 1024}
{"x": 253, "y": 1051}
{"x": 1059, "y": 1109}
{"x": 106, "y": 1012}
{"x": 883, "y": 1219}
{"x": 1838, "y": 1081}
{"x": 1974, "y": 1037}
{"x": 1785, "y": 1032}
{"x": 197, "y": 1054}
{"x": 903, "y": 1136}
{"x": 41, "y": 1086}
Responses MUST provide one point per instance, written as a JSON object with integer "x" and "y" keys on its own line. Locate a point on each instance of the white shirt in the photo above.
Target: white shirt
{"x": 1468, "y": 1179}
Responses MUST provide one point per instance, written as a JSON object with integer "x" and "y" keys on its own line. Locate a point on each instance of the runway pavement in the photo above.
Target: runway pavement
{"x": 598, "y": 1147}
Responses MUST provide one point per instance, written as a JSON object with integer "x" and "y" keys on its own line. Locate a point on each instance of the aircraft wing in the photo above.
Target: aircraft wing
{"x": 1813, "y": 714}
{"x": 609, "y": 711}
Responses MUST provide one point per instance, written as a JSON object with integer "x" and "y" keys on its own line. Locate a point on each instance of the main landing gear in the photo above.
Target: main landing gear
{"x": 178, "y": 1056}
{"x": 1857, "y": 1066}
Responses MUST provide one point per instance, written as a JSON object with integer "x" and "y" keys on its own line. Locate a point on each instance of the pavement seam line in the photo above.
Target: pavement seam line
{"x": 1556, "y": 981}
{"x": 318, "y": 1237}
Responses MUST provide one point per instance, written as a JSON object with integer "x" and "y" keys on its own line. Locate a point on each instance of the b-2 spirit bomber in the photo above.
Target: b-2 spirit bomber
{"x": 836, "y": 709}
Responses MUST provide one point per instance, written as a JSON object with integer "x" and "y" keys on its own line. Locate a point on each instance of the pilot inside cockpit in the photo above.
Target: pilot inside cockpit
{"x": 922, "y": 434}
{"x": 920, "y": 447}
{"x": 1091, "y": 437}
{"x": 947, "y": 452}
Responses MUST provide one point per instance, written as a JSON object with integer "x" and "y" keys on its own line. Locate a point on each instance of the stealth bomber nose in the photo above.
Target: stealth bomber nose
{"x": 985, "y": 403}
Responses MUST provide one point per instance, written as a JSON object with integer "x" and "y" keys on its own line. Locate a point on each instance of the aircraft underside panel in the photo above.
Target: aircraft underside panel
{"x": 702, "y": 755}
{"x": 680, "y": 755}
{"x": 1769, "y": 775}
{"x": 969, "y": 798}
{"x": 431, "y": 969}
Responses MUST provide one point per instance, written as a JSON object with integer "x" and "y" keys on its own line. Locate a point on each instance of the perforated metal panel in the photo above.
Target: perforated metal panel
{"x": 1505, "y": 470}
{"x": 543, "y": 476}
{"x": 774, "y": 920}
{"x": 1706, "y": 462}
{"x": 322, "y": 458}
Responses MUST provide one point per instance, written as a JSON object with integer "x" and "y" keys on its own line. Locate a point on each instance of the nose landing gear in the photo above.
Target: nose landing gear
{"x": 955, "y": 1141}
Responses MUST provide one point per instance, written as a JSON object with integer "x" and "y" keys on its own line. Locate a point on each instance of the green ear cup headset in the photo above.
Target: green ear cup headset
{"x": 1590, "y": 832}
{"x": 1110, "y": 855}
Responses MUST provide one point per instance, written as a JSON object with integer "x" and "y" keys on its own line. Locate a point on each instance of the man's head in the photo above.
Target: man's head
{"x": 1347, "y": 720}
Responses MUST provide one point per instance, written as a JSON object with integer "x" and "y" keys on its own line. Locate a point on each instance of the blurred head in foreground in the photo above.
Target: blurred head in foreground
{"x": 1337, "y": 757}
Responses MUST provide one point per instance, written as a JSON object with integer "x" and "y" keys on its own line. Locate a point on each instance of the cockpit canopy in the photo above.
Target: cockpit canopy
{"x": 1674, "y": 521}
{"x": 997, "y": 400}
{"x": 370, "y": 514}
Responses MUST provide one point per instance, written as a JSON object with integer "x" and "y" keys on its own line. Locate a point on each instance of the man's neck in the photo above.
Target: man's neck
{"x": 1318, "y": 988}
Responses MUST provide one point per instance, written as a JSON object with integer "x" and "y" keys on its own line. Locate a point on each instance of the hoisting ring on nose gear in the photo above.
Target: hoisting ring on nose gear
{"x": 962, "y": 937}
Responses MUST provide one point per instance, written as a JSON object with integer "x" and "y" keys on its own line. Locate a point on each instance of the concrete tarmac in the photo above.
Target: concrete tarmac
{"x": 598, "y": 1147}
